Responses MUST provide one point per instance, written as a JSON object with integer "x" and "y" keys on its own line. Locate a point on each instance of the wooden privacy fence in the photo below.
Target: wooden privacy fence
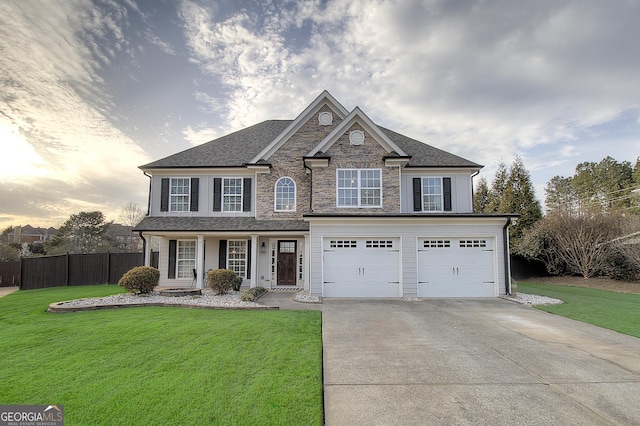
{"x": 68, "y": 270}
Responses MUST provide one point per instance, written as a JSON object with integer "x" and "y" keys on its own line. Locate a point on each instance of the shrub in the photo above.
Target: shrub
{"x": 141, "y": 279}
{"x": 237, "y": 283}
{"x": 222, "y": 280}
{"x": 252, "y": 294}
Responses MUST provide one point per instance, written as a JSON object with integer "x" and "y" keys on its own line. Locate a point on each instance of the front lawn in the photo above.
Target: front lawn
{"x": 160, "y": 365}
{"x": 607, "y": 309}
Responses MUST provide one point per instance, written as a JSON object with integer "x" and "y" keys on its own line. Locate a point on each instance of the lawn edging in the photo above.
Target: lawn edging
{"x": 57, "y": 307}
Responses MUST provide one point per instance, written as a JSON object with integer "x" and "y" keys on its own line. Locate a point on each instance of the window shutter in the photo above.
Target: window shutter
{"x": 195, "y": 184}
{"x": 164, "y": 195}
{"x": 248, "y": 259}
{"x": 217, "y": 194}
{"x": 222, "y": 255}
{"x": 246, "y": 195}
{"x": 446, "y": 192}
{"x": 417, "y": 194}
{"x": 173, "y": 244}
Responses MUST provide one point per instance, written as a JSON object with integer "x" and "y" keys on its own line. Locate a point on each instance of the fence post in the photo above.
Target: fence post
{"x": 20, "y": 274}
{"x": 67, "y": 272}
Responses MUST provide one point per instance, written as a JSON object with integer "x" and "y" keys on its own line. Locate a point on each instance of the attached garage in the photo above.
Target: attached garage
{"x": 457, "y": 267}
{"x": 361, "y": 267}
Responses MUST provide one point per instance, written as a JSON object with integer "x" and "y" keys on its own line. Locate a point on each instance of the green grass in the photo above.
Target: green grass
{"x": 160, "y": 365}
{"x": 607, "y": 309}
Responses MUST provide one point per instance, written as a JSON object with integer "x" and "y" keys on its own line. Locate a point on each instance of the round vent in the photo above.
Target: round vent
{"x": 356, "y": 137}
{"x": 325, "y": 118}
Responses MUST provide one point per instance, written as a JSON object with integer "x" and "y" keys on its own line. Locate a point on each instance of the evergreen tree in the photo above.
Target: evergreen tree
{"x": 519, "y": 197}
{"x": 497, "y": 188}
{"x": 481, "y": 196}
{"x": 82, "y": 233}
{"x": 560, "y": 194}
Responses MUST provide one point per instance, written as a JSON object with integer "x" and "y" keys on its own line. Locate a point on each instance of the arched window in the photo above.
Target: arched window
{"x": 285, "y": 195}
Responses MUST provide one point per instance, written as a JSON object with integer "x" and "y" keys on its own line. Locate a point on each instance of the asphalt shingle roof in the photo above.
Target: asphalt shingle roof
{"x": 220, "y": 224}
{"x": 239, "y": 148}
{"x": 232, "y": 150}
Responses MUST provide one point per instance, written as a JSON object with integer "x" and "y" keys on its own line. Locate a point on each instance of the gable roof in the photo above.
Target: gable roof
{"x": 357, "y": 116}
{"x": 323, "y": 99}
{"x": 256, "y": 143}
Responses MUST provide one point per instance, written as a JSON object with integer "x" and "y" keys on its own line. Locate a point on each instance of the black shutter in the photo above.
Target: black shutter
{"x": 246, "y": 195}
{"x": 249, "y": 259}
{"x": 446, "y": 192}
{"x": 417, "y": 194}
{"x": 164, "y": 195}
{"x": 217, "y": 194}
{"x": 222, "y": 254}
{"x": 195, "y": 186}
{"x": 173, "y": 245}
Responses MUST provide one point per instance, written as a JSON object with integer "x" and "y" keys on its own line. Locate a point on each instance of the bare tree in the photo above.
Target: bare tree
{"x": 573, "y": 242}
{"x": 131, "y": 214}
{"x": 629, "y": 243}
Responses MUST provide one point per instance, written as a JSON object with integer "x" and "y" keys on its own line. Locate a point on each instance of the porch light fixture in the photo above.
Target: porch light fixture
{"x": 263, "y": 248}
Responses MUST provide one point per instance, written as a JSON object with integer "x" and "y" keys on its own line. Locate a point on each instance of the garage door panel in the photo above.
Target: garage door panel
{"x": 361, "y": 267}
{"x": 456, "y": 267}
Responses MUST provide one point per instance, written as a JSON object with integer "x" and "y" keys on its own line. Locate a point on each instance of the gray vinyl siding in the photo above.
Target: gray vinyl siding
{"x": 461, "y": 189}
{"x": 205, "y": 195}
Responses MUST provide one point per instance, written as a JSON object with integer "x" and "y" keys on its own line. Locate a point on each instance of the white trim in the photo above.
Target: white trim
{"x": 357, "y": 116}
{"x": 222, "y": 194}
{"x": 171, "y": 179}
{"x": 323, "y": 99}
{"x": 359, "y": 188}
{"x": 275, "y": 195}
{"x": 422, "y": 194}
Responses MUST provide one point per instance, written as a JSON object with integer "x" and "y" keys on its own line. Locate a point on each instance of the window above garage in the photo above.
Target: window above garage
{"x": 432, "y": 194}
{"x": 359, "y": 188}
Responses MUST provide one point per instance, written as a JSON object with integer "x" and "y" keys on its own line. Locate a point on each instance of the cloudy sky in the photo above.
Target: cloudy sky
{"x": 92, "y": 89}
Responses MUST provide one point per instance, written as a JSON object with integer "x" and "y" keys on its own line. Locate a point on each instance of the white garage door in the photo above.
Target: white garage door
{"x": 456, "y": 267}
{"x": 361, "y": 267}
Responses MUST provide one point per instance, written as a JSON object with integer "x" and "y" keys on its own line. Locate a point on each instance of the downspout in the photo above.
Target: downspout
{"x": 473, "y": 195}
{"x": 507, "y": 258}
{"x": 149, "y": 197}
{"x": 310, "y": 185}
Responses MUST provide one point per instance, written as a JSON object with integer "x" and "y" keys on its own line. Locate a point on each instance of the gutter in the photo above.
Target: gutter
{"x": 507, "y": 258}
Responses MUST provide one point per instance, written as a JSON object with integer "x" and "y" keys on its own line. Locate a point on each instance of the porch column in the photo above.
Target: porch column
{"x": 254, "y": 260}
{"x": 147, "y": 250}
{"x": 306, "y": 262}
{"x": 200, "y": 261}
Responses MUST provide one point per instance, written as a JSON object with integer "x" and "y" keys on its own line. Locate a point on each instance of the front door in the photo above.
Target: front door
{"x": 287, "y": 254}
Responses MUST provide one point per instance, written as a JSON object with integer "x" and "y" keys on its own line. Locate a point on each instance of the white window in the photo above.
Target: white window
{"x": 186, "y": 259}
{"x": 359, "y": 187}
{"x": 432, "y": 194}
{"x": 179, "y": 194}
{"x": 232, "y": 194}
{"x": 237, "y": 257}
{"x": 285, "y": 195}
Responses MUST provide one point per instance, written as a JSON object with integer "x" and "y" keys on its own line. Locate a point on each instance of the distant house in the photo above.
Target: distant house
{"x": 29, "y": 234}
{"x": 329, "y": 202}
{"x": 124, "y": 238}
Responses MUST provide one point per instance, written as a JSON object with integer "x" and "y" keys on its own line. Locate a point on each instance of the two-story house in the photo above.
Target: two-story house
{"x": 329, "y": 202}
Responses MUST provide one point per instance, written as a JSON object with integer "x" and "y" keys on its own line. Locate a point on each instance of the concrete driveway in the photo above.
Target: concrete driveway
{"x": 486, "y": 361}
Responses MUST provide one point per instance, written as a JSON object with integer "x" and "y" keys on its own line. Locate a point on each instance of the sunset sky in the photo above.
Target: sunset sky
{"x": 93, "y": 89}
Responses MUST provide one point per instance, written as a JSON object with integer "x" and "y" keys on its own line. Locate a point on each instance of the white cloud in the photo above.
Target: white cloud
{"x": 65, "y": 146}
{"x": 482, "y": 79}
